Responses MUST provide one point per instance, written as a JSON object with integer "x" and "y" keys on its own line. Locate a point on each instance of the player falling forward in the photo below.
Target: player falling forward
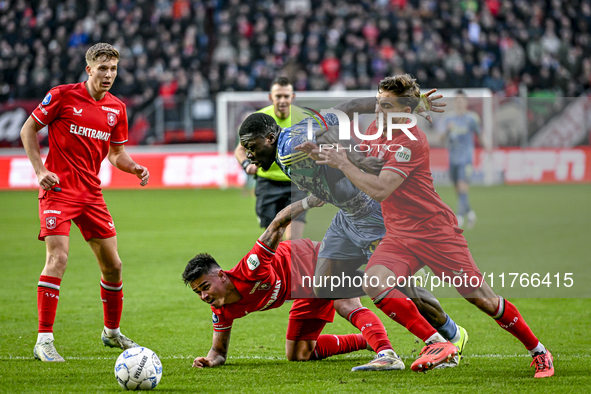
{"x": 420, "y": 228}
{"x": 354, "y": 232}
{"x": 86, "y": 124}
{"x": 264, "y": 279}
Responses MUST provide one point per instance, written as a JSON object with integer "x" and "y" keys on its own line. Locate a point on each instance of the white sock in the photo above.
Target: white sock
{"x": 435, "y": 338}
{"x": 112, "y": 332}
{"x": 44, "y": 337}
{"x": 538, "y": 349}
{"x": 389, "y": 352}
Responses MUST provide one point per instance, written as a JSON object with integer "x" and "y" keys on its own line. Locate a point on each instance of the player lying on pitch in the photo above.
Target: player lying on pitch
{"x": 264, "y": 279}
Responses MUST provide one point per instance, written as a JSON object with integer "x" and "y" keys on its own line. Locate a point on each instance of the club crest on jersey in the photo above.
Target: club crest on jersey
{"x": 214, "y": 318}
{"x": 111, "y": 118}
{"x": 47, "y": 99}
{"x": 402, "y": 155}
{"x": 253, "y": 262}
{"x": 50, "y": 222}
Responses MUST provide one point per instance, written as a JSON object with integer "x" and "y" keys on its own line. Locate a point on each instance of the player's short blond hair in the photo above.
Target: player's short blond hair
{"x": 101, "y": 52}
{"x": 403, "y": 86}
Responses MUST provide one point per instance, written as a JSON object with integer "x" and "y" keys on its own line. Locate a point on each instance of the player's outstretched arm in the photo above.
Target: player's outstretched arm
{"x": 121, "y": 159}
{"x": 218, "y": 353}
{"x": 274, "y": 233}
{"x": 45, "y": 178}
{"x": 378, "y": 187}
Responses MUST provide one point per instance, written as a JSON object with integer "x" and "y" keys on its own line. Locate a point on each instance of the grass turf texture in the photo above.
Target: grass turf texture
{"x": 160, "y": 230}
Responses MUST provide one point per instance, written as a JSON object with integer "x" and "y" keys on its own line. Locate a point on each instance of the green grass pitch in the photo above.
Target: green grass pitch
{"x": 520, "y": 229}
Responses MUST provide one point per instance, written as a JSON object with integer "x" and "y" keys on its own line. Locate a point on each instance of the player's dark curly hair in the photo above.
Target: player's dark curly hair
{"x": 198, "y": 266}
{"x": 258, "y": 125}
{"x": 403, "y": 86}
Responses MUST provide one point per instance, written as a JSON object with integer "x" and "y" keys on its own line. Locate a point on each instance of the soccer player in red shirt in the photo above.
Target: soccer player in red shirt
{"x": 86, "y": 124}
{"x": 420, "y": 228}
{"x": 264, "y": 279}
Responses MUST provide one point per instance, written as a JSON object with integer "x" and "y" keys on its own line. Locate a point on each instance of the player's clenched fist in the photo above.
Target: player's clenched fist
{"x": 47, "y": 180}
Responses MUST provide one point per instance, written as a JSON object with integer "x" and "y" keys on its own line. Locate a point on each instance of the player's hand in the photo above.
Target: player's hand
{"x": 202, "y": 362}
{"x": 429, "y": 103}
{"x": 314, "y": 202}
{"x": 334, "y": 157}
{"x": 251, "y": 169}
{"x": 309, "y": 148}
{"x": 142, "y": 173}
{"x": 47, "y": 179}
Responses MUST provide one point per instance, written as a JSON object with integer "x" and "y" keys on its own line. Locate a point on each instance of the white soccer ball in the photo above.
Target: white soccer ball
{"x": 138, "y": 368}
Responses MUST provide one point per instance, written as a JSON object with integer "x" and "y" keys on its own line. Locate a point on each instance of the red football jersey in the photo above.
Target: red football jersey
{"x": 414, "y": 209}
{"x": 266, "y": 278}
{"x": 80, "y": 131}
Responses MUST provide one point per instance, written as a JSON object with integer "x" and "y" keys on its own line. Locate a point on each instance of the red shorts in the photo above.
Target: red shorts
{"x": 447, "y": 259}
{"x": 94, "y": 220}
{"x": 307, "y": 318}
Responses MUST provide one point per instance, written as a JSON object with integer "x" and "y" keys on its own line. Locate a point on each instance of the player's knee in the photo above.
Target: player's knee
{"x": 298, "y": 355}
{"x": 112, "y": 268}
{"x": 345, "y": 306}
{"x": 57, "y": 260}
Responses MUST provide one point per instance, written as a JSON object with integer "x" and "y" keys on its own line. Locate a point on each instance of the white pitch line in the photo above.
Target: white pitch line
{"x": 275, "y": 358}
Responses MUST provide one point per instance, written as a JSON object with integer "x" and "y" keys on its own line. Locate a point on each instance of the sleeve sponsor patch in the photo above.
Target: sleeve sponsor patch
{"x": 214, "y": 318}
{"x": 47, "y": 99}
{"x": 253, "y": 262}
{"x": 402, "y": 155}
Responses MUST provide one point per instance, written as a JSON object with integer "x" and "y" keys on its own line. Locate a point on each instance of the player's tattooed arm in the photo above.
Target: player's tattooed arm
{"x": 274, "y": 233}
{"x": 218, "y": 353}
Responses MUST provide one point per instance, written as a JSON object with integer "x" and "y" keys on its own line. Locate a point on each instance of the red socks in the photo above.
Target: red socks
{"x": 331, "y": 345}
{"x": 48, "y": 294}
{"x": 404, "y": 312}
{"x": 508, "y": 317}
{"x": 371, "y": 328}
{"x": 112, "y": 297}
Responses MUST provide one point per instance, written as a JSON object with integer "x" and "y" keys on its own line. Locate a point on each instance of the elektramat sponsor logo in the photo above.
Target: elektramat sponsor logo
{"x": 90, "y": 133}
{"x": 274, "y": 295}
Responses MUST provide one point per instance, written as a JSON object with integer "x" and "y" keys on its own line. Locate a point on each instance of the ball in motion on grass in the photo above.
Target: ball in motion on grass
{"x": 138, "y": 368}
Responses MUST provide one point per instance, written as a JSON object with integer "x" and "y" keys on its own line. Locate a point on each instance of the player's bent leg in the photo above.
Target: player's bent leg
{"x": 111, "y": 284}
{"x": 373, "y": 332}
{"x": 428, "y": 306}
{"x": 304, "y": 341}
{"x": 508, "y": 318}
{"x": 366, "y": 321}
{"x": 403, "y": 311}
{"x": 48, "y": 289}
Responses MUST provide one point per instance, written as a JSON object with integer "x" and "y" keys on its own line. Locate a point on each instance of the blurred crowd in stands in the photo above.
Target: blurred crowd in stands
{"x": 182, "y": 48}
